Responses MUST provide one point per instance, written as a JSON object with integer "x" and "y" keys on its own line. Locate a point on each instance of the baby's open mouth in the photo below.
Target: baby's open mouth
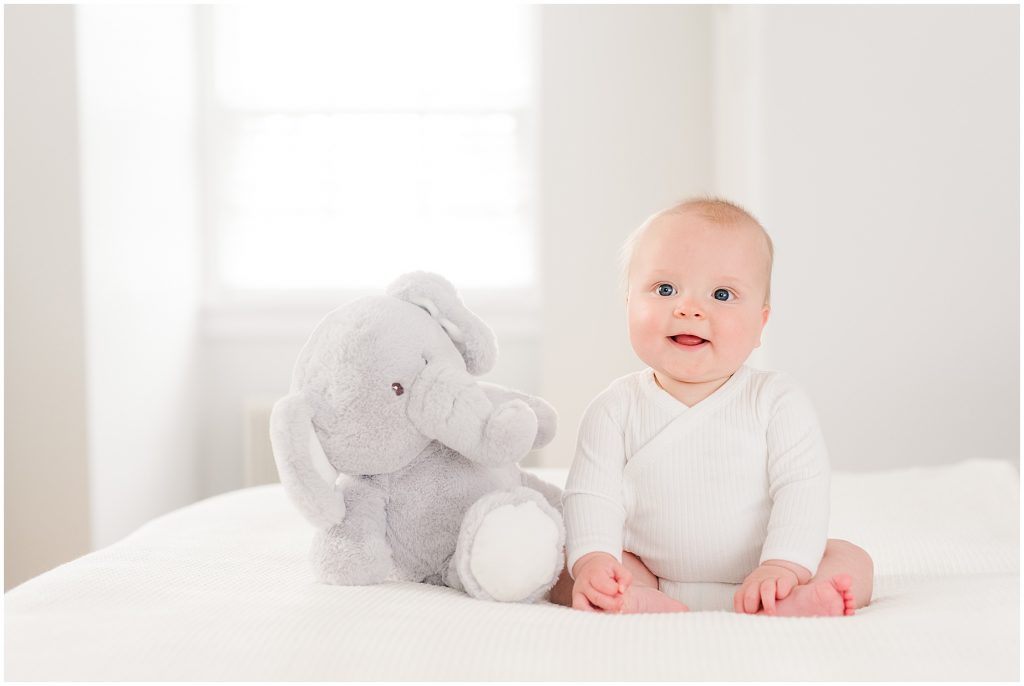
{"x": 688, "y": 339}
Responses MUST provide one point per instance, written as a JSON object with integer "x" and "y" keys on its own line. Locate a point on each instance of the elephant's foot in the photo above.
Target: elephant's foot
{"x": 509, "y": 547}
{"x": 350, "y": 560}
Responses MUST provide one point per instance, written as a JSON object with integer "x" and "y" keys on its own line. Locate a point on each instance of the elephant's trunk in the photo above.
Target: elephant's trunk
{"x": 449, "y": 406}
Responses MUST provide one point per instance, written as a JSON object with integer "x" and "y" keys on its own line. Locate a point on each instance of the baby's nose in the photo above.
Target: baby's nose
{"x": 689, "y": 310}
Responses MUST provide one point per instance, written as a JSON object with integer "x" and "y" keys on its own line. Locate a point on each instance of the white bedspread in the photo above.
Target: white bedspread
{"x": 220, "y": 590}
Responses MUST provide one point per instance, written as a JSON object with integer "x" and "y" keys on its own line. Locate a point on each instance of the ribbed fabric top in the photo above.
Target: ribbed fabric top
{"x": 703, "y": 493}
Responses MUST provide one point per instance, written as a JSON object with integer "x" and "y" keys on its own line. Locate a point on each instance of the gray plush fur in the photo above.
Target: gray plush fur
{"x": 398, "y": 485}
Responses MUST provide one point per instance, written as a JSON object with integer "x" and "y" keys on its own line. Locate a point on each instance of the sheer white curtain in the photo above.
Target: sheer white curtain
{"x": 347, "y": 144}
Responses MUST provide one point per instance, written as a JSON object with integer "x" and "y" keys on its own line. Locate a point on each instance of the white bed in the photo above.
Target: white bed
{"x": 220, "y": 590}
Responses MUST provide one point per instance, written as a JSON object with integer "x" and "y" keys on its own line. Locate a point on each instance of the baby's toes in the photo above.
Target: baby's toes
{"x": 844, "y": 584}
{"x": 849, "y": 606}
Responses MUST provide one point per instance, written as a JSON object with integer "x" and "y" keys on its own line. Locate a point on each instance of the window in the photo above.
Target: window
{"x": 348, "y": 144}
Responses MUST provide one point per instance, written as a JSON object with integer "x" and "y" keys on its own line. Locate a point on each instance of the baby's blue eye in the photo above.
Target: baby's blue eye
{"x": 722, "y": 294}
{"x": 666, "y": 289}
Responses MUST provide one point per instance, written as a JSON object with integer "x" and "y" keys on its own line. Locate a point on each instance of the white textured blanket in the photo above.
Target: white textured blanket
{"x": 220, "y": 590}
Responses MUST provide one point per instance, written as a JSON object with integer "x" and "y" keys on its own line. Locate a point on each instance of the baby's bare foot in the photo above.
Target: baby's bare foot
{"x": 826, "y": 598}
{"x": 643, "y": 599}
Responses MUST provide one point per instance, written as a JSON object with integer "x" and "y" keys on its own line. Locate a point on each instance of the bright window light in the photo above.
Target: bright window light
{"x": 350, "y": 144}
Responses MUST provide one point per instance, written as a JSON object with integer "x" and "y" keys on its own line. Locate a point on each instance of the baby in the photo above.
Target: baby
{"x": 700, "y": 480}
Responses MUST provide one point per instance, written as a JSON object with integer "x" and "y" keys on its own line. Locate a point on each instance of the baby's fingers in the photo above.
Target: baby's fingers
{"x": 625, "y": 579}
{"x": 739, "y": 602}
{"x": 751, "y": 598}
{"x": 603, "y": 601}
{"x": 785, "y": 586}
{"x": 768, "y": 595}
{"x": 580, "y": 602}
{"x": 605, "y": 584}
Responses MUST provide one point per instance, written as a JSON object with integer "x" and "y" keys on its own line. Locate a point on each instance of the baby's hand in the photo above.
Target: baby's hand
{"x": 601, "y": 581}
{"x": 764, "y": 586}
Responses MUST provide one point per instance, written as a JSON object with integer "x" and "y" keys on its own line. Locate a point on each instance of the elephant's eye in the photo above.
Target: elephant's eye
{"x": 397, "y": 388}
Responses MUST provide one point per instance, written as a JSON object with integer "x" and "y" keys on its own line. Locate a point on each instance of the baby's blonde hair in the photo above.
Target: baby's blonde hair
{"x": 717, "y": 211}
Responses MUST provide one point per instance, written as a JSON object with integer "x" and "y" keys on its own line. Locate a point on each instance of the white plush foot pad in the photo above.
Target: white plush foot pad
{"x": 514, "y": 551}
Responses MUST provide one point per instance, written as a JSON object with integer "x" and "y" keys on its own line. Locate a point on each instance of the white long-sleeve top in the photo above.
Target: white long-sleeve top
{"x": 703, "y": 493}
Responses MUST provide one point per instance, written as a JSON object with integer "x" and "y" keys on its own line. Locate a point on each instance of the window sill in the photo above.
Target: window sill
{"x": 288, "y": 315}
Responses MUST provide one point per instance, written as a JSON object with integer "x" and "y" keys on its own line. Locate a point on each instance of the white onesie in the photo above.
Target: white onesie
{"x": 701, "y": 494}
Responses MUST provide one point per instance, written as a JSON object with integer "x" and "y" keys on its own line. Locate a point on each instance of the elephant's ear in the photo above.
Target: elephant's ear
{"x": 438, "y": 297}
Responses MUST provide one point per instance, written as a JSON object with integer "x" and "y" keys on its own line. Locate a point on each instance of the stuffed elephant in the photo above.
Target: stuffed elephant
{"x": 405, "y": 463}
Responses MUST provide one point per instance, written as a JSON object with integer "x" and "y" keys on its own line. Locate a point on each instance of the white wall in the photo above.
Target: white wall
{"x": 882, "y": 154}
{"x": 139, "y": 167}
{"x": 840, "y": 127}
{"x": 46, "y": 510}
{"x": 879, "y": 146}
{"x": 625, "y": 122}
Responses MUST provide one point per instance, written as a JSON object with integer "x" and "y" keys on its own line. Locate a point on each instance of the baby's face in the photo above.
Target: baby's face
{"x": 696, "y": 302}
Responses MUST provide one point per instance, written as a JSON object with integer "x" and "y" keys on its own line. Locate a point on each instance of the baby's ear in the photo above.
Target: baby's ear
{"x": 472, "y": 338}
{"x": 765, "y": 311}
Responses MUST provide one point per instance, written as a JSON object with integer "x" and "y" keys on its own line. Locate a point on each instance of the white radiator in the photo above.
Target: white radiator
{"x": 259, "y": 467}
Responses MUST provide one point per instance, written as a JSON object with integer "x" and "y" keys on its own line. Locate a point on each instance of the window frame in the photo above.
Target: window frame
{"x": 229, "y": 311}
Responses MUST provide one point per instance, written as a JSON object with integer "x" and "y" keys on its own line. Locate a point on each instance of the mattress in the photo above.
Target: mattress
{"x": 221, "y": 590}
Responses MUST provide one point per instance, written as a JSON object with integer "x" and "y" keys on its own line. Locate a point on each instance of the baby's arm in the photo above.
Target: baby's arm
{"x": 798, "y": 484}
{"x": 594, "y": 513}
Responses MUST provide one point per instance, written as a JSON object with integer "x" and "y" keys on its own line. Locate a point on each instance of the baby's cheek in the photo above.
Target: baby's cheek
{"x": 643, "y": 325}
{"x": 644, "y": 331}
{"x": 740, "y": 336}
